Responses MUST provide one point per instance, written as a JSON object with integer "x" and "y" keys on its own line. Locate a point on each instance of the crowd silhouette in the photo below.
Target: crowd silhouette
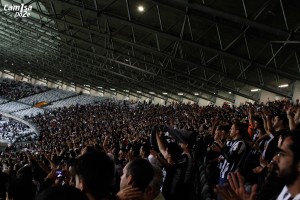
{"x": 119, "y": 150}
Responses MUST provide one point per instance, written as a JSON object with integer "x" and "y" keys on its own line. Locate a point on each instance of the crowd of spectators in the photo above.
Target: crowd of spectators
{"x": 14, "y": 90}
{"x": 12, "y": 130}
{"x": 80, "y": 145}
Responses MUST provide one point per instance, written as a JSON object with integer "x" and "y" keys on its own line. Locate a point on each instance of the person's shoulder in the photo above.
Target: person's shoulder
{"x": 183, "y": 158}
{"x": 297, "y": 197}
{"x": 282, "y": 132}
{"x": 160, "y": 197}
{"x": 283, "y": 193}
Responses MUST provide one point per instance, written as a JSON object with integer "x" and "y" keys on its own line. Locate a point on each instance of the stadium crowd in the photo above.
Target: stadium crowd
{"x": 112, "y": 150}
{"x": 12, "y": 130}
{"x": 14, "y": 90}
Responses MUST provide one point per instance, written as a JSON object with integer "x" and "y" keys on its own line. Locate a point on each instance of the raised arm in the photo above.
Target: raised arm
{"x": 215, "y": 124}
{"x": 297, "y": 116}
{"x": 161, "y": 146}
{"x": 106, "y": 143}
{"x": 267, "y": 121}
{"x": 250, "y": 116}
{"x": 290, "y": 116}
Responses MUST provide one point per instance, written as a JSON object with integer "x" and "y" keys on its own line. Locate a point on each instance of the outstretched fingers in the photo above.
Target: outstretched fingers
{"x": 253, "y": 192}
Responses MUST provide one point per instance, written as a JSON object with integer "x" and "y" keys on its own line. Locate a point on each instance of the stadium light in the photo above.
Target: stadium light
{"x": 255, "y": 90}
{"x": 141, "y": 8}
{"x": 283, "y": 85}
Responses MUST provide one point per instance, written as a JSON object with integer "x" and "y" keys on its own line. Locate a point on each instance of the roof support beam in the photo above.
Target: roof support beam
{"x": 45, "y": 35}
{"x": 167, "y": 35}
{"x": 127, "y": 85}
{"x": 166, "y": 56}
{"x": 136, "y": 59}
{"x": 230, "y": 17}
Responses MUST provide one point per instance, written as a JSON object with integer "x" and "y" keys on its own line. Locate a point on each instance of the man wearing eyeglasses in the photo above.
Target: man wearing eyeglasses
{"x": 288, "y": 161}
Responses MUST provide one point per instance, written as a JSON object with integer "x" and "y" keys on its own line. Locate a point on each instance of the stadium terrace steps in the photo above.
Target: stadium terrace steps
{"x": 48, "y": 96}
{"x": 12, "y": 107}
{"x": 78, "y": 99}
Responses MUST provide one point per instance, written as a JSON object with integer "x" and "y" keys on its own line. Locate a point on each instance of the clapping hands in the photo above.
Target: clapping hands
{"x": 235, "y": 190}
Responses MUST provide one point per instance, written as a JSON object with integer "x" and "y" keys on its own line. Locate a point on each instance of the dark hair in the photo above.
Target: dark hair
{"x": 25, "y": 173}
{"x": 259, "y": 121}
{"x": 19, "y": 189}
{"x": 283, "y": 118}
{"x": 220, "y": 127}
{"x": 62, "y": 193}
{"x": 295, "y": 136}
{"x": 89, "y": 149}
{"x": 226, "y": 128}
{"x": 174, "y": 150}
{"x": 146, "y": 149}
{"x": 141, "y": 171}
{"x": 242, "y": 127}
{"x": 96, "y": 169}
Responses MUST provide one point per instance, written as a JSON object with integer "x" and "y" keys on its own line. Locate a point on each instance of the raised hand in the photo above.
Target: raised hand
{"x": 129, "y": 193}
{"x": 236, "y": 190}
{"x": 297, "y": 115}
{"x": 226, "y": 193}
{"x": 237, "y": 185}
{"x": 290, "y": 110}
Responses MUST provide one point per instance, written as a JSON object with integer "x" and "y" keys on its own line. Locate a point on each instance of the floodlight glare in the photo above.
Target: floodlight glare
{"x": 283, "y": 85}
{"x": 141, "y": 8}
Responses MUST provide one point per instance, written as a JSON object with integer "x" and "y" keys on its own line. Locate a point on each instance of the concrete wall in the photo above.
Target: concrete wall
{"x": 68, "y": 87}
{"x": 156, "y": 100}
{"x": 133, "y": 98}
{"x": 96, "y": 93}
{"x": 219, "y": 101}
{"x": 203, "y": 102}
{"x": 265, "y": 95}
{"x": 188, "y": 101}
{"x": 5, "y": 75}
{"x": 18, "y": 78}
{"x": 296, "y": 92}
{"x": 38, "y": 82}
{"x": 53, "y": 85}
{"x": 122, "y": 97}
{"x": 240, "y": 100}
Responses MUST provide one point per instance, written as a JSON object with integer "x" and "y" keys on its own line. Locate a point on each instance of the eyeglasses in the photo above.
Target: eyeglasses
{"x": 280, "y": 154}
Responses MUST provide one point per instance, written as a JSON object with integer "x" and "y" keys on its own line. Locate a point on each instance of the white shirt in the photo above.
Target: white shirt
{"x": 285, "y": 195}
{"x": 154, "y": 161}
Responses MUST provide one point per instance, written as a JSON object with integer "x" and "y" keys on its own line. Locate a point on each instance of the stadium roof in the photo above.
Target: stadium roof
{"x": 164, "y": 48}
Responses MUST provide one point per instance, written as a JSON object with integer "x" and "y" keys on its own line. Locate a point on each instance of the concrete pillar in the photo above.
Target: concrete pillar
{"x": 296, "y": 92}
